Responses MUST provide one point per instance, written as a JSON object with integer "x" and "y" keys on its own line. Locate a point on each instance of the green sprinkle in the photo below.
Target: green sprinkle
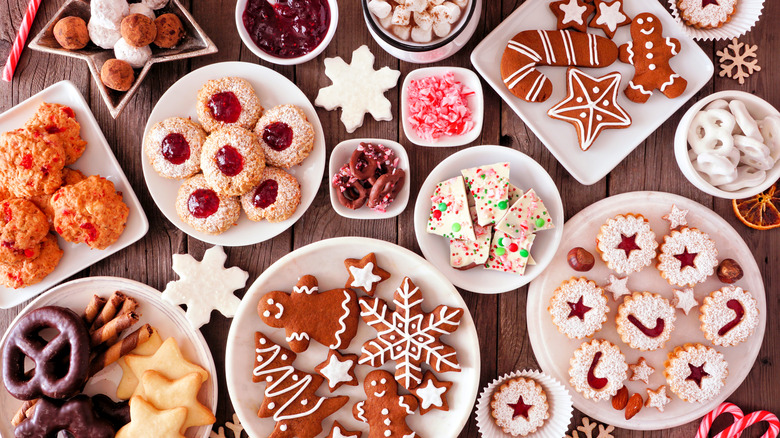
{"x": 456, "y": 227}
{"x": 524, "y": 253}
{"x": 503, "y": 205}
{"x": 500, "y": 251}
{"x": 539, "y": 223}
{"x": 442, "y": 206}
{"x": 483, "y": 176}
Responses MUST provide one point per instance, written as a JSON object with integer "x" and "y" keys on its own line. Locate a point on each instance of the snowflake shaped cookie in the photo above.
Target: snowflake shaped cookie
{"x": 736, "y": 63}
{"x": 684, "y": 300}
{"x": 617, "y": 286}
{"x": 408, "y": 335}
{"x": 357, "y": 88}
{"x": 676, "y": 217}
{"x": 205, "y": 286}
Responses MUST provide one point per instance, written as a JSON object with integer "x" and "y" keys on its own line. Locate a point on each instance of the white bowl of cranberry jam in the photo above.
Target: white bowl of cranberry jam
{"x": 287, "y": 32}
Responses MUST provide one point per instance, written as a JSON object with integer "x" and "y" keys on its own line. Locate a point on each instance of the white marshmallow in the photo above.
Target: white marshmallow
{"x": 424, "y": 20}
{"x": 102, "y": 36}
{"x": 417, "y": 5}
{"x": 402, "y": 32}
{"x": 140, "y": 8}
{"x": 387, "y": 22}
{"x": 420, "y": 35}
{"x": 401, "y": 15}
{"x": 135, "y": 56}
{"x": 380, "y": 8}
{"x": 436, "y": 2}
{"x": 461, "y": 3}
{"x": 155, "y": 4}
{"x": 442, "y": 28}
{"x": 108, "y": 13}
{"x": 447, "y": 11}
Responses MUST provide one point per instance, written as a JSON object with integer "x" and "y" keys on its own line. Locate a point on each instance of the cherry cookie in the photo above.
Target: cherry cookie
{"x": 55, "y": 123}
{"x": 706, "y": 14}
{"x": 578, "y": 308}
{"x": 69, "y": 177}
{"x": 687, "y": 257}
{"x": 23, "y": 226}
{"x": 519, "y": 406}
{"x": 275, "y": 199}
{"x": 695, "y": 372}
{"x": 204, "y": 209}
{"x": 32, "y": 271}
{"x": 285, "y": 135}
{"x": 645, "y": 321}
{"x": 228, "y": 102}
{"x": 75, "y": 416}
{"x": 232, "y": 161}
{"x": 728, "y": 316}
{"x": 598, "y": 369}
{"x": 626, "y": 243}
{"x": 30, "y": 166}
{"x": 173, "y": 147}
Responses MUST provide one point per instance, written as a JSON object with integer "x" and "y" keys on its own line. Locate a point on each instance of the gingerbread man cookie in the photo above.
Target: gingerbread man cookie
{"x": 384, "y": 410}
{"x": 330, "y": 317}
{"x": 650, "y": 53}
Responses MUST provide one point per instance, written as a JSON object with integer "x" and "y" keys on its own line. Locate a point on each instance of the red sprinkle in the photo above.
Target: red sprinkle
{"x": 438, "y": 106}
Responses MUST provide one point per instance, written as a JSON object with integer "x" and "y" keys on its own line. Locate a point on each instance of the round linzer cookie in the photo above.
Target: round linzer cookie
{"x": 572, "y": 14}
{"x": 706, "y": 14}
{"x": 274, "y": 199}
{"x": 30, "y": 166}
{"x": 285, "y": 135}
{"x": 32, "y": 271}
{"x": 578, "y": 308}
{"x": 687, "y": 257}
{"x": 232, "y": 161}
{"x": 728, "y": 316}
{"x": 519, "y": 406}
{"x": 626, "y": 243}
{"x": 173, "y": 147}
{"x": 228, "y": 102}
{"x": 57, "y": 123}
{"x": 598, "y": 369}
{"x": 645, "y": 321}
{"x": 23, "y": 226}
{"x": 695, "y": 372}
{"x": 204, "y": 209}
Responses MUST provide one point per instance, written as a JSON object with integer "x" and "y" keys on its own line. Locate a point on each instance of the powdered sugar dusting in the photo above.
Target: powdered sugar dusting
{"x": 694, "y": 241}
{"x": 617, "y": 286}
{"x": 641, "y": 371}
{"x": 658, "y": 398}
{"x": 684, "y": 300}
{"x": 611, "y": 236}
{"x": 612, "y": 366}
{"x": 226, "y": 215}
{"x": 647, "y": 308}
{"x": 715, "y": 314}
{"x": 678, "y": 369}
{"x": 195, "y": 137}
{"x": 713, "y": 15}
{"x": 570, "y": 292}
{"x": 509, "y": 393}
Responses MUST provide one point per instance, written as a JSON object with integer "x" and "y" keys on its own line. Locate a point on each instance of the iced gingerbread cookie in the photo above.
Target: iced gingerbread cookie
{"x": 384, "y": 410}
{"x": 706, "y": 14}
{"x": 578, "y": 308}
{"x": 228, "y": 102}
{"x": 365, "y": 274}
{"x": 728, "y": 316}
{"x": 510, "y": 254}
{"x": 696, "y": 373}
{"x": 598, "y": 370}
{"x": 528, "y": 215}
{"x": 572, "y": 14}
{"x": 489, "y": 186}
{"x": 626, "y": 243}
{"x": 338, "y": 369}
{"x": 609, "y": 16}
{"x": 450, "y": 211}
{"x": 432, "y": 393}
{"x": 467, "y": 254}
{"x": 687, "y": 257}
{"x": 645, "y": 321}
{"x": 519, "y": 406}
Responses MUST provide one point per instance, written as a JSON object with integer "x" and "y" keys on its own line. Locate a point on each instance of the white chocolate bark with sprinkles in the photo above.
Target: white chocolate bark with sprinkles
{"x": 687, "y": 257}
{"x": 728, "y": 316}
{"x": 695, "y": 372}
{"x": 515, "y": 193}
{"x": 527, "y": 215}
{"x": 450, "y": 215}
{"x": 465, "y": 254}
{"x": 509, "y": 254}
{"x": 489, "y": 186}
{"x": 645, "y": 321}
{"x": 578, "y": 308}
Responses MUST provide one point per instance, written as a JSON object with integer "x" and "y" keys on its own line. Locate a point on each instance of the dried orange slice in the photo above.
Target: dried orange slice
{"x": 761, "y": 212}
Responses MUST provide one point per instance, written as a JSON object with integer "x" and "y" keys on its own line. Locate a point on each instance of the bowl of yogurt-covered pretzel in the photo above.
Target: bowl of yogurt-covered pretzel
{"x": 728, "y": 145}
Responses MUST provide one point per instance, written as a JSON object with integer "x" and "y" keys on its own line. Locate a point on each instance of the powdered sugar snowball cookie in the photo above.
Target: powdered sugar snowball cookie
{"x": 274, "y": 199}
{"x": 228, "y": 101}
{"x": 578, "y": 308}
{"x": 645, "y": 321}
{"x": 285, "y": 135}
{"x": 706, "y": 14}
{"x": 598, "y": 369}
{"x": 108, "y": 13}
{"x": 143, "y": 9}
{"x": 137, "y": 57}
{"x": 155, "y": 4}
{"x": 626, "y": 243}
{"x": 687, "y": 257}
{"x": 232, "y": 161}
{"x": 173, "y": 147}
{"x": 101, "y": 36}
{"x": 204, "y": 209}
{"x": 519, "y": 406}
{"x": 696, "y": 373}
{"x": 728, "y": 316}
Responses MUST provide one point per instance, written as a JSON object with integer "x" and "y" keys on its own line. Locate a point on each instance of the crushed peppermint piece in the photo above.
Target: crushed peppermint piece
{"x": 438, "y": 106}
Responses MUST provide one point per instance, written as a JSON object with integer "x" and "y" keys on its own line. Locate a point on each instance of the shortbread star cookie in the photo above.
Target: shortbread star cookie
{"x": 129, "y": 381}
{"x": 144, "y": 417}
{"x": 167, "y": 360}
{"x": 165, "y": 393}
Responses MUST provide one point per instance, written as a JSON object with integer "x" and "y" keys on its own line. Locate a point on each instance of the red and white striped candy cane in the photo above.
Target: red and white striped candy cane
{"x": 750, "y": 419}
{"x": 726, "y": 407}
{"x": 21, "y": 38}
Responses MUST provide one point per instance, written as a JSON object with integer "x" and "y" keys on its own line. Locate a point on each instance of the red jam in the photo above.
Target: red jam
{"x": 650, "y": 332}
{"x": 520, "y": 408}
{"x": 628, "y": 244}
{"x": 202, "y": 203}
{"x": 225, "y": 107}
{"x": 175, "y": 148}
{"x": 686, "y": 258}
{"x": 697, "y": 374}
{"x": 278, "y": 136}
{"x": 578, "y": 309}
{"x": 229, "y": 160}
{"x": 265, "y": 194}
{"x": 287, "y": 28}
{"x": 596, "y": 382}
{"x": 54, "y": 129}
{"x": 736, "y": 306}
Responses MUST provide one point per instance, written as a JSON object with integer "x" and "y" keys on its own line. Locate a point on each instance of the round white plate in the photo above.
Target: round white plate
{"x": 272, "y": 89}
{"x": 167, "y": 319}
{"x": 553, "y": 349}
{"x": 524, "y": 173}
{"x": 324, "y": 259}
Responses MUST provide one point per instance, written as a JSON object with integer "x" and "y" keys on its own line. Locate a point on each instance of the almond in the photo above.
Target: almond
{"x": 635, "y": 404}
{"x": 620, "y": 400}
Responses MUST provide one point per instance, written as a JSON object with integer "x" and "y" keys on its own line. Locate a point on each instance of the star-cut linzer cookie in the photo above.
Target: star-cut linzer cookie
{"x": 432, "y": 393}
{"x": 167, "y": 360}
{"x": 591, "y": 105}
{"x": 609, "y": 16}
{"x": 684, "y": 300}
{"x": 338, "y": 369}
{"x": 572, "y": 14}
{"x": 365, "y": 274}
{"x": 338, "y": 431}
{"x": 165, "y": 393}
{"x": 145, "y": 417}
{"x": 641, "y": 370}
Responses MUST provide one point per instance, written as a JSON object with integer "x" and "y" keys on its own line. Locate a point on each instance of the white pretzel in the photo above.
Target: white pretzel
{"x": 754, "y": 153}
{"x": 710, "y": 131}
{"x": 746, "y": 177}
{"x": 747, "y": 124}
{"x": 717, "y": 104}
{"x": 770, "y": 131}
{"x": 720, "y": 169}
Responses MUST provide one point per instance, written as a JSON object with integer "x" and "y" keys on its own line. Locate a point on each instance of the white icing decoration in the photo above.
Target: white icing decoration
{"x": 430, "y": 395}
{"x": 337, "y": 371}
{"x": 385, "y": 411}
{"x": 648, "y": 45}
{"x": 361, "y": 413}
{"x": 380, "y": 394}
{"x": 572, "y": 12}
{"x": 305, "y": 289}
{"x": 387, "y": 421}
{"x": 610, "y": 15}
{"x": 297, "y": 336}
{"x": 344, "y": 316}
{"x": 404, "y": 405}
{"x": 651, "y": 67}
{"x": 364, "y": 277}
{"x": 274, "y": 389}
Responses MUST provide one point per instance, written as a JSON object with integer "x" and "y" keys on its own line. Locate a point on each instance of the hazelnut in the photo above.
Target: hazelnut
{"x": 169, "y": 31}
{"x": 117, "y": 75}
{"x": 729, "y": 271}
{"x": 138, "y": 30}
{"x": 71, "y": 33}
{"x": 580, "y": 259}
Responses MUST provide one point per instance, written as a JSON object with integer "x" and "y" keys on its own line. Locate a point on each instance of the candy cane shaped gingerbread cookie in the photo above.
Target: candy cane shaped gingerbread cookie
{"x": 532, "y": 48}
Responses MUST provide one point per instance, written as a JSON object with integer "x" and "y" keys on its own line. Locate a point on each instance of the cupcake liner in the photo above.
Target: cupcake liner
{"x": 747, "y": 15}
{"x": 558, "y": 400}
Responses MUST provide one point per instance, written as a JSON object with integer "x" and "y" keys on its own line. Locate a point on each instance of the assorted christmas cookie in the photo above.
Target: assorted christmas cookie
{"x": 641, "y": 371}
{"x": 450, "y": 211}
{"x": 275, "y": 198}
{"x": 626, "y": 243}
{"x": 527, "y": 215}
{"x": 232, "y": 161}
{"x": 23, "y": 227}
{"x": 687, "y": 257}
{"x": 228, "y": 102}
{"x": 645, "y": 321}
{"x": 55, "y": 123}
{"x": 467, "y": 254}
{"x": 34, "y": 270}
{"x": 598, "y": 369}
{"x": 384, "y": 410}
{"x": 510, "y": 254}
{"x": 617, "y": 286}
{"x": 432, "y": 393}
{"x": 365, "y": 274}
{"x": 572, "y": 14}
{"x": 519, "y": 406}
{"x": 338, "y": 369}
{"x": 489, "y": 187}
{"x": 676, "y": 217}
{"x": 728, "y": 316}
{"x": 657, "y": 398}
{"x": 202, "y": 208}
{"x": 706, "y": 14}
{"x": 609, "y": 16}
{"x": 696, "y": 373}
{"x": 285, "y": 135}
{"x": 684, "y": 300}
{"x": 173, "y": 147}
{"x": 578, "y": 308}
{"x": 30, "y": 166}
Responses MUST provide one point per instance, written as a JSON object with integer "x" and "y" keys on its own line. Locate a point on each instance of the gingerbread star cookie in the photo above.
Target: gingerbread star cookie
{"x": 167, "y": 360}
{"x": 338, "y": 369}
{"x": 145, "y": 418}
{"x": 166, "y": 394}
{"x": 609, "y": 16}
{"x": 365, "y": 274}
{"x": 572, "y": 14}
{"x": 432, "y": 393}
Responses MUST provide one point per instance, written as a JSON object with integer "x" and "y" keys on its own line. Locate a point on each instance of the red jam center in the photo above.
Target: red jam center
{"x": 736, "y": 306}
{"x": 705, "y": 3}
{"x": 229, "y": 160}
{"x": 225, "y": 107}
{"x": 175, "y": 148}
{"x": 578, "y": 309}
{"x": 278, "y": 136}
{"x": 287, "y": 28}
{"x": 265, "y": 194}
{"x": 596, "y": 382}
{"x": 686, "y": 258}
{"x": 628, "y": 244}
{"x": 520, "y": 408}
{"x": 202, "y": 203}
{"x": 697, "y": 374}
{"x": 650, "y": 332}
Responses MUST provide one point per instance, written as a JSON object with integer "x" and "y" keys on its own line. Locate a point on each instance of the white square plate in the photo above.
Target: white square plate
{"x": 97, "y": 160}
{"x": 613, "y": 145}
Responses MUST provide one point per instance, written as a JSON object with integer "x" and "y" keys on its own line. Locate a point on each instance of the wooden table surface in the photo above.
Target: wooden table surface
{"x": 500, "y": 319}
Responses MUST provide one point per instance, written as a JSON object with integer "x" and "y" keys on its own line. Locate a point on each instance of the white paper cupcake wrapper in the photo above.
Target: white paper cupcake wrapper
{"x": 558, "y": 400}
{"x": 747, "y": 15}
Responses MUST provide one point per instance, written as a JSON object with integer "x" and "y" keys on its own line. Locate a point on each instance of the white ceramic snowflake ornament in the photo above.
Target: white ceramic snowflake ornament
{"x": 684, "y": 300}
{"x": 676, "y": 217}
{"x": 617, "y": 286}
{"x": 205, "y": 286}
{"x": 357, "y": 88}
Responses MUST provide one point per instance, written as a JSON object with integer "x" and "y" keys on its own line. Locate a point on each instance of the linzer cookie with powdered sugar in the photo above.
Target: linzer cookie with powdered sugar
{"x": 645, "y": 321}
{"x": 578, "y": 308}
{"x": 627, "y": 243}
{"x": 598, "y": 369}
{"x": 728, "y": 316}
{"x": 687, "y": 257}
{"x": 519, "y": 406}
{"x": 696, "y": 373}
